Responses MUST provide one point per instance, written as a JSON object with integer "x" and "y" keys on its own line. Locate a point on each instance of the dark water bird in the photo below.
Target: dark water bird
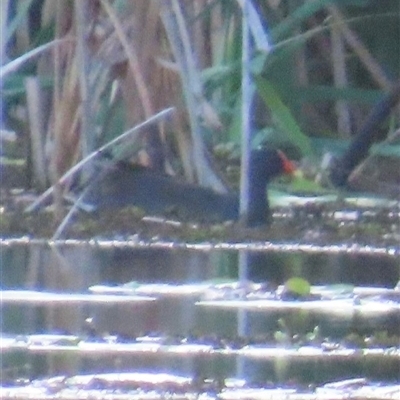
{"x": 156, "y": 193}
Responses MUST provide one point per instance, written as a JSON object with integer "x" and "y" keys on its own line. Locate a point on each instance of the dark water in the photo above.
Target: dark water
{"x": 179, "y": 330}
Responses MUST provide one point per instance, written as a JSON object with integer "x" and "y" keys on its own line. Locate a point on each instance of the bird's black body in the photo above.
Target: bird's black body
{"x": 126, "y": 185}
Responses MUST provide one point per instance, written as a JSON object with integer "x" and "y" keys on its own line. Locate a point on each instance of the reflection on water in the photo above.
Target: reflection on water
{"x": 102, "y": 334}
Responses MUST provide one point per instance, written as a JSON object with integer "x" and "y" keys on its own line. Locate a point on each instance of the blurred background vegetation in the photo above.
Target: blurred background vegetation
{"x": 78, "y": 73}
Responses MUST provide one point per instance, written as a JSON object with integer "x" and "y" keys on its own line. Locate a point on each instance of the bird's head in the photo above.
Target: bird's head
{"x": 266, "y": 164}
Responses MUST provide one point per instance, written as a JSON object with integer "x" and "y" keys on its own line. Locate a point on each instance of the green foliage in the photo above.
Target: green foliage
{"x": 304, "y": 185}
{"x": 387, "y": 150}
{"x": 19, "y": 19}
{"x": 298, "y": 16}
{"x": 283, "y": 116}
{"x": 296, "y": 30}
{"x": 298, "y": 286}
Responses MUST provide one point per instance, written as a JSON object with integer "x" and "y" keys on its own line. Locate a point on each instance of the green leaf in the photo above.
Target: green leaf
{"x": 299, "y": 184}
{"x": 298, "y": 286}
{"x": 298, "y": 16}
{"x": 283, "y": 116}
{"x": 385, "y": 149}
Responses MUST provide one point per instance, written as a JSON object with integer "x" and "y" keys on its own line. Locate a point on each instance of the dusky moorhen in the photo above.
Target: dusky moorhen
{"x": 125, "y": 185}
